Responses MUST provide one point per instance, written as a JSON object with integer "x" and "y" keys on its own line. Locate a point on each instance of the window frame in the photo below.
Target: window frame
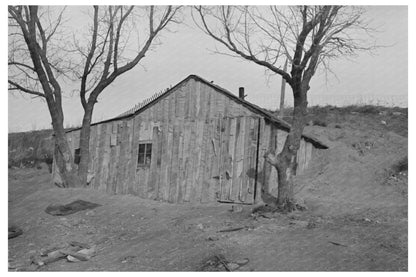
{"x": 144, "y": 154}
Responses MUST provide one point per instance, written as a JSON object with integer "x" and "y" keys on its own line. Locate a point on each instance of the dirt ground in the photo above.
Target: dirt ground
{"x": 357, "y": 217}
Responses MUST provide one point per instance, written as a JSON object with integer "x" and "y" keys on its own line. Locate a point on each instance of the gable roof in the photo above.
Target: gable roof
{"x": 155, "y": 98}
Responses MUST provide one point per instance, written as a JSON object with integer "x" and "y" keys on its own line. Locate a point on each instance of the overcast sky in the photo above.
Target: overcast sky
{"x": 380, "y": 78}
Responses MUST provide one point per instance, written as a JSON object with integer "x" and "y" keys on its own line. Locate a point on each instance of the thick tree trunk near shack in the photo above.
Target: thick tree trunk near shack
{"x": 64, "y": 160}
{"x": 84, "y": 145}
{"x": 285, "y": 162}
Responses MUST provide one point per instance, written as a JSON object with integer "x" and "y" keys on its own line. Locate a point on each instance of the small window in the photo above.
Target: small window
{"x": 77, "y": 156}
{"x": 145, "y": 154}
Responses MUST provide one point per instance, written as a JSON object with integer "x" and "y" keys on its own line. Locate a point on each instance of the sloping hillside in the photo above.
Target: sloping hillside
{"x": 357, "y": 216}
{"x": 27, "y": 148}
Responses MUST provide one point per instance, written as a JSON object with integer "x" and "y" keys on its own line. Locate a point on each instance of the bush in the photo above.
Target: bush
{"x": 318, "y": 122}
{"x": 28, "y": 149}
{"x": 401, "y": 165}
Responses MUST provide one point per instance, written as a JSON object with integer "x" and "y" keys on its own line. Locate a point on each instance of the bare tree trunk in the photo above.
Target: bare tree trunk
{"x": 64, "y": 163}
{"x": 63, "y": 156}
{"x": 282, "y": 93}
{"x": 84, "y": 145}
{"x": 286, "y": 161}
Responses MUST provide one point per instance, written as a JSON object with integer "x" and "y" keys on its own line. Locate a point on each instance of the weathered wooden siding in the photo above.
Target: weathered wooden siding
{"x": 237, "y": 158}
{"x": 195, "y": 132}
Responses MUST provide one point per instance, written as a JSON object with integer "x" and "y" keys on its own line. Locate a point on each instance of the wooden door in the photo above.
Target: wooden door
{"x": 238, "y": 158}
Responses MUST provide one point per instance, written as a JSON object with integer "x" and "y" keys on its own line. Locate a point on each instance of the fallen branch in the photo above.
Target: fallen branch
{"x": 338, "y": 244}
{"x": 232, "y": 229}
{"x": 47, "y": 251}
{"x": 76, "y": 255}
{"x": 223, "y": 262}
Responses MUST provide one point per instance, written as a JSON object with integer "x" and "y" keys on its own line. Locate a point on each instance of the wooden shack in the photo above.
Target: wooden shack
{"x": 195, "y": 142}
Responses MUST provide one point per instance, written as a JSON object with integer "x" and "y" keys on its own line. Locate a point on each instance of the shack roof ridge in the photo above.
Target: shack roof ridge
{"x": 154, "y": 98}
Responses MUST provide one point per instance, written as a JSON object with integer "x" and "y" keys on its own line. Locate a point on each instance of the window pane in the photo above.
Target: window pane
{"x": 148, "y": 148}
{"x": 140, "y": 159}
{"x": 148, "y": 158}
{"x": 142, "y": 148}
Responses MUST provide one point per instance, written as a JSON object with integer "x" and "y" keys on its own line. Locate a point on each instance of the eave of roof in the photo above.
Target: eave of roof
{"x": 279, "y": 122}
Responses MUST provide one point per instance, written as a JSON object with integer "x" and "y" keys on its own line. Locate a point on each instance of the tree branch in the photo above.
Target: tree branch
{"x": 23, "y": 89}
{"x": 231, "y": 45}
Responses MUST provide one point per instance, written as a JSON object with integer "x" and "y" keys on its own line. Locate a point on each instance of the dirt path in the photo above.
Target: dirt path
{"x": 139, "y": 235}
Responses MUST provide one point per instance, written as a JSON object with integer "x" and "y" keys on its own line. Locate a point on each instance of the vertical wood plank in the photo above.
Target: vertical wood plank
{"x": 219, "y": 159}
{"x": 190, "y": 161}
{"x": 168, "y": 171}
{"x": 132, "y": 158}
{"x": 154, "y": 112}
{"x": 191, "y": 100}
{"x": 225, "y": 174}
{"x": 272, "y": 173}
{"x": 219, "y": 104}
{"x": 114, "y": 159}
{"x": 158, "y": 157}
{"x": 127, "y": 157}
{"x": 153, "y": 172}
{"x": 181, "y": 169}
{"x": 121, "y": 178}
{"x": 227, "y": 107}
{"x": 166, "y": 109}
{"x": 97, "y": 150}
{"x": 136, "y": 182}
{"x": 267, "y": 167}
{"x": 93, "y": 146}
{"x": 146, "y": 132}
{"x": 229, "y": 163}
{"x": 185, "y": 161}
{"x": 206, "y": 166}
{"x": 247, "y": 129}
{"x": 202, "y": 161}
{"x": 106, "y": 158}
{"x": 213, "y": 95}
{"x": 174, "y": 165}
{"x": 164, "y": 163}
{"x": 208, "y": 101}
{"x": 254, "y": 144}
{"x": 171, "y": 116}
{"x": 261, "y": 161}
{"x": 236, "y": 157}
{"x": 100, "y": 155}
{"x": 195, "y": 189}
{"x": 214, "y": 190}
{"x": 197, "y": 93}
{"x": 202, "y": 102}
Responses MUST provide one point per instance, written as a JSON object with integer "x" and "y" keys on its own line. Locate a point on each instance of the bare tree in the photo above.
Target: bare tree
{"x": 308, "y": 36}
{"x": 40, "y": 59}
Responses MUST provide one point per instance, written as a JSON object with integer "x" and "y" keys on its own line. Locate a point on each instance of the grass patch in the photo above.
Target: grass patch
{"x": 365, "y": 117}
{"x": 319, "y": 122}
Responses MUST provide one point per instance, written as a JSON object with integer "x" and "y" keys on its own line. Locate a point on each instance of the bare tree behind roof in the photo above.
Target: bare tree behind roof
{"x": 42, "y": 55}
{"x": 308, "y": 36}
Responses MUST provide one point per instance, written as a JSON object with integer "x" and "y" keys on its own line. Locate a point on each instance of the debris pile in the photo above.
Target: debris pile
{"x": 220, "y": 263}
{"x": 74, "y": 252}
{"x": 73, "y": 207}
